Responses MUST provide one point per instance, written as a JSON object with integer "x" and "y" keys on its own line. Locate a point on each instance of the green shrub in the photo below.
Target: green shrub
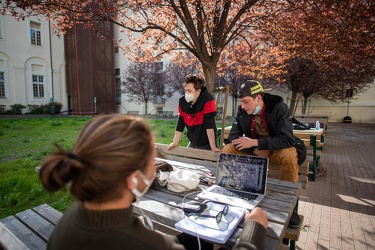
{"x": 44, "y": 108}
{"x": 57, "y": 105}
{"x": 2, "y": 109}
{"x": 36, "y": 109}
{"x": 17, "y": 108}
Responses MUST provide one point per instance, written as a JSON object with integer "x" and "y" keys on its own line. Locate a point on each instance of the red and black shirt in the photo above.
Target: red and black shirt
{"x": 197, "y": 117}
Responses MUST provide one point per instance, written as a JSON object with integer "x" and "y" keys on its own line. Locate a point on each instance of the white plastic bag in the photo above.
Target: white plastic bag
{"x": 182, "y": 180}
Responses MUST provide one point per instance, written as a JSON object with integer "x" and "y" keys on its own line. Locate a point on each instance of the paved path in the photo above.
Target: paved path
{"x": 339, "y": 208}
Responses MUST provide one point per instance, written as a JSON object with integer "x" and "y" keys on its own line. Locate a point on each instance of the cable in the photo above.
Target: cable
{"x": 183, "y": 205}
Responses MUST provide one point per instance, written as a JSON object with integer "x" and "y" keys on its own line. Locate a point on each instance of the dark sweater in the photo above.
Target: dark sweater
{"x": 80, "y": 228}
{"x": 197, "y": 117}
{"x": 278, "y": 122}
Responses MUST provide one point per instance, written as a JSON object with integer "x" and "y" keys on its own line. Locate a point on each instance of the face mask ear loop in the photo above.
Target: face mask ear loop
{"x": 147, "y": 221}
{"x": 192, "y": 223}
{"x": 138, "y": 195}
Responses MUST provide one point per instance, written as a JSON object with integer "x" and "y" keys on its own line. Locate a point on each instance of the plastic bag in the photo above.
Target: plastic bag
{"x": 182, "y": 180}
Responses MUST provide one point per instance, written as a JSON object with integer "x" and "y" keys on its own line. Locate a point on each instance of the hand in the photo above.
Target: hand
{"x": 172, "y": 145}
{"x": 264, "y": 153}
{"x": 257, "y": 215}
{"x": 244, "y": 142}
{"x": 215, "y": 149}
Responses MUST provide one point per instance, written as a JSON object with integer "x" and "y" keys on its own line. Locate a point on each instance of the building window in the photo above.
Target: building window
{"x": 118, "y": 91}
{"x": 1, "y": 27}
{"x": 116, "y": 50}
{"x": 35, "y": 33}
{"x": 38, "y": 78}
{"x": 2, "y": 85}
{"x": 4, "y": 88}
{"x": 117, "y": 72}
{"x": 38, "y": 86}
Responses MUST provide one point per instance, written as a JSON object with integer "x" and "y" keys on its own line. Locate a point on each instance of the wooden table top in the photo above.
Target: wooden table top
{"x": 311, "y": 131}
{"x": 165, "y": 206}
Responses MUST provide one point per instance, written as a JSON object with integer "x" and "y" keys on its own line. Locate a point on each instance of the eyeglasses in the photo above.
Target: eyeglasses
{"x": 218, "y": 217}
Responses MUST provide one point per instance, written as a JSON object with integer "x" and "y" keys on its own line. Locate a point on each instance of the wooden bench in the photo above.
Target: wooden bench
{"x": 165, "y": 113}
{"x": 313, "y": 145}
{"x": 133, "y": 112}
{"x": 318, "y": 137}
{"x": 209, "y": 160}
{"x": 29, "y": 229}
{"x": 205, "y": 158}
{"x": 312, "y": 117}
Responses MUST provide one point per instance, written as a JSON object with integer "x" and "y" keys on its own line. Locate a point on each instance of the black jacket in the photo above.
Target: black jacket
{"x": 278, "y": 122}
{"x": 197, "y": 117}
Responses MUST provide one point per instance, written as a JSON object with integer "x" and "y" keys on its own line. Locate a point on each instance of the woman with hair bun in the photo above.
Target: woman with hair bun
{"x": 110, "y": 166}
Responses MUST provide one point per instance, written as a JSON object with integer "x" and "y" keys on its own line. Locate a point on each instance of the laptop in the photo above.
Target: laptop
{"x": 240, "y": 180}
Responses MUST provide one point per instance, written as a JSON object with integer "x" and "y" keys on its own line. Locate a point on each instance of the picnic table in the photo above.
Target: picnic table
{"x": 312, "y": 118}
{"x": 165, "y": 206}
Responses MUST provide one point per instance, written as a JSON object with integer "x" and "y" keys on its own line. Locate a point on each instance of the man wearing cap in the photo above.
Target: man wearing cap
{"x": 263, "y": 127}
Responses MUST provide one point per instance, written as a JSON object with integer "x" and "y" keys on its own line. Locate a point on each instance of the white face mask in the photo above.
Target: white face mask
{"x": 257, "y": 109}
{"x": 147, "y": 182}
{"x": 189, "y": 97}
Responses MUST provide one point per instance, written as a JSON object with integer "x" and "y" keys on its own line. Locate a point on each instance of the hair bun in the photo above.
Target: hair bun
{"x": 72, "y": 156}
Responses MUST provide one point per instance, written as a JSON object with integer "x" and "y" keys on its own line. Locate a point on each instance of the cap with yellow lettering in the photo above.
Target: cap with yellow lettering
{"x": 250, "y": 88}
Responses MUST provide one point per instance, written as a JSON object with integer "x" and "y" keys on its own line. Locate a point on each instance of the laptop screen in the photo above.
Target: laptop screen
{"x": 242, "y": 172}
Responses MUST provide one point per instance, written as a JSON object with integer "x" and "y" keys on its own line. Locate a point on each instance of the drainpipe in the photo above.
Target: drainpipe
{"x": 50, "y": 55}
{"x": 77, "y": 73}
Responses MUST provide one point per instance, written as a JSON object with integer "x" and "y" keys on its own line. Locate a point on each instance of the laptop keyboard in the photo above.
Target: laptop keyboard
{"x": 234, "y": 193}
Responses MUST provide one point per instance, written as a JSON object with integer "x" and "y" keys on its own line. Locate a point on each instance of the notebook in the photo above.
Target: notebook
{"x": 208, "y": 228}
{"x": 240, "y": 180}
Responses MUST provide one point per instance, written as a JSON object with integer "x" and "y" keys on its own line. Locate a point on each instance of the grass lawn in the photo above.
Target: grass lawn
{"x": 25, "y": 143}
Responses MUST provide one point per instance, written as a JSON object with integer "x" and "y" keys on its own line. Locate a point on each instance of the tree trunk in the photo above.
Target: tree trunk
{"x": 210, "y": 76}
{"x": 304, "y": 106}
{"x": 292, "y": 103}
{"x": 146, "y": 107}
{"x": 233, "y": 107}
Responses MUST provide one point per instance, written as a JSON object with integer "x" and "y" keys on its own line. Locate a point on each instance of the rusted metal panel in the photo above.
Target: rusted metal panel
{"x": 90, "y": 70}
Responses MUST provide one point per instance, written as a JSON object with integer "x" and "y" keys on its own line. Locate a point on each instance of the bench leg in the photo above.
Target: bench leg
{"x": 292, "y": 245}
{"x": 296, "y": 207}
{"x": 313, "y": 168}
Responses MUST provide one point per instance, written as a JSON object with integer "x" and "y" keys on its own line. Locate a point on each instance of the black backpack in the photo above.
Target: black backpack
{"x": 297, "y": 125}
{"x": 301, "y": 150}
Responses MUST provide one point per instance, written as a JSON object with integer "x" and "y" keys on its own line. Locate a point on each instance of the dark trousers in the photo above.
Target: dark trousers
{"x": 206, "y": 147}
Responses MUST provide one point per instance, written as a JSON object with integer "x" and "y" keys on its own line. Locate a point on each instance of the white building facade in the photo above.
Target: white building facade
{"x": 32, "y": 64}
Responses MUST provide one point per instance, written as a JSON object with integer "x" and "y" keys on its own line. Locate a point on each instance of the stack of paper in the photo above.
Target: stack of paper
{"x": 208, "y": 228}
